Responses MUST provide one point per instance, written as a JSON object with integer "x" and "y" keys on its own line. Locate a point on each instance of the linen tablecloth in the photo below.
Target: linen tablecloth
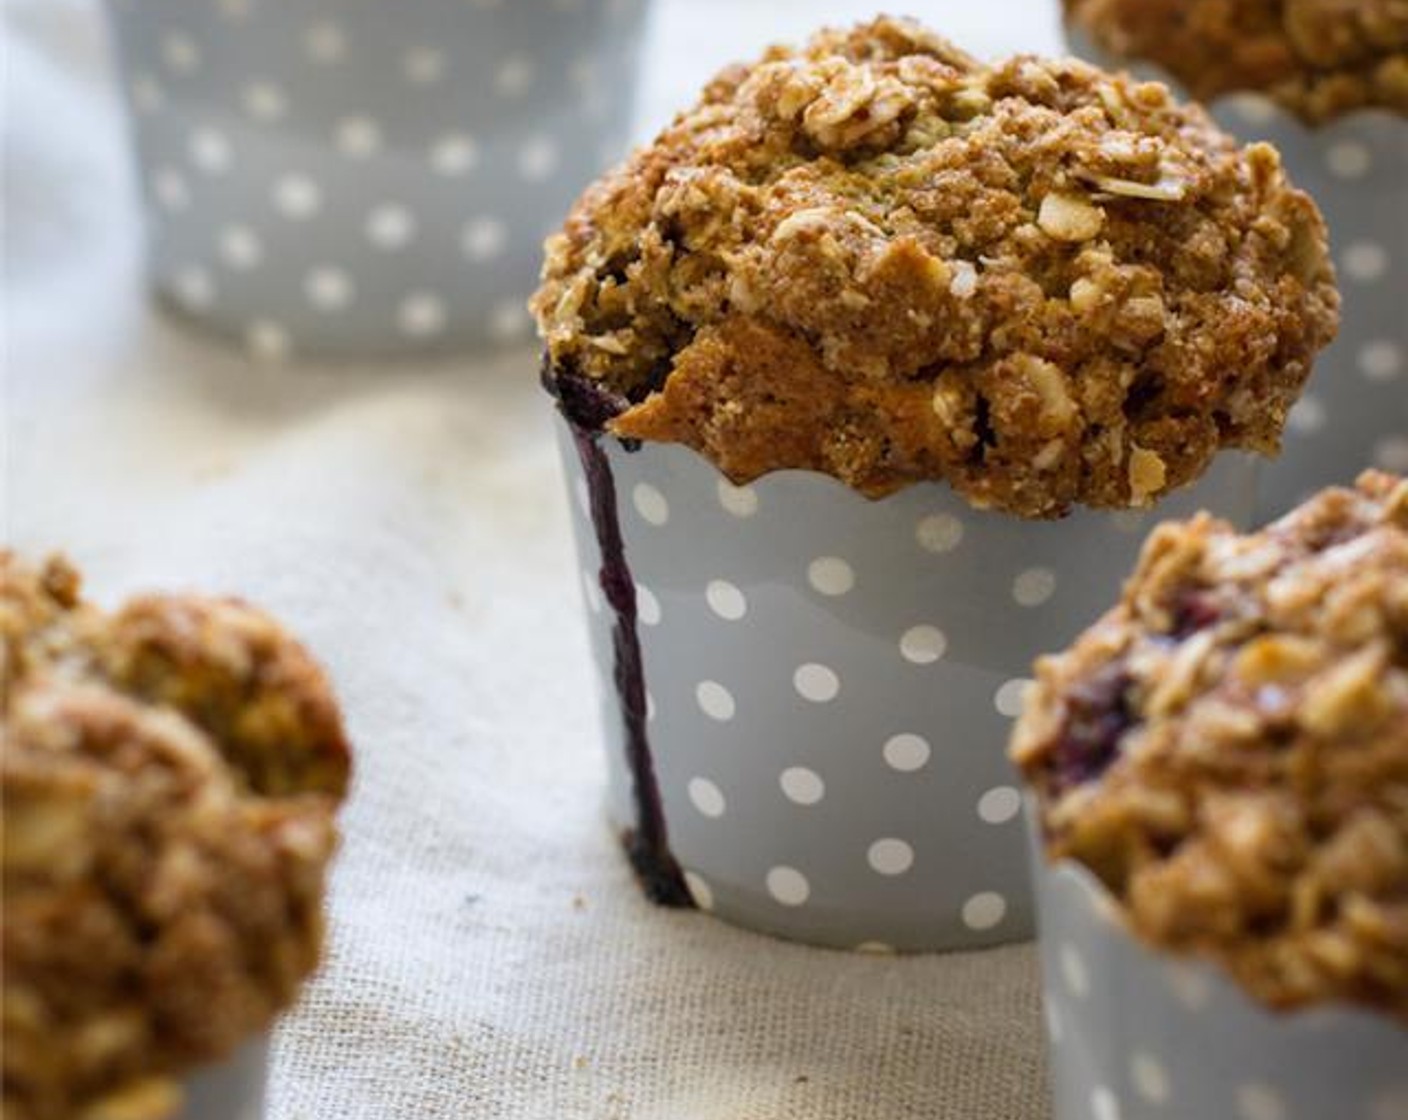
{"x": 489, "y": 954}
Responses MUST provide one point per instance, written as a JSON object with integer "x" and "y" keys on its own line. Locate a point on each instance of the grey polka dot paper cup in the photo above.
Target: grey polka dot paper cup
{"x": 1354, "y": 413}
{"x": 807, "y": 694}
{"x": 231, "y": 1090}
{"x": 1137, "y": 1035}
{"x": 357, "y": 178}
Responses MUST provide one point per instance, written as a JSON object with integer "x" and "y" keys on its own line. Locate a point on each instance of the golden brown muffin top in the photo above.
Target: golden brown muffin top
{"x": 878, "y": 258}
{"x": 1320, "y": 59}
{"x": 169, "y": 773}
{"x": 1228, "y": 748}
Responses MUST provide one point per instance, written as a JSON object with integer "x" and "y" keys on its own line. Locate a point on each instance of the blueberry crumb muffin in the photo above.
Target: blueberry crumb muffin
{"x": 881, "y": 259}
{"x": 1227, "y": 749}
{"x": 1320, "y": 59}
{"x": 170, "y": 773}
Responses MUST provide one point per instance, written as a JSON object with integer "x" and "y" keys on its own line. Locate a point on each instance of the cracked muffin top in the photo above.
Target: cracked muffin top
{"x": 1320, "y": 59}
{"x": 878, "y": 258}
{"x": 170, "y": 773}
{"x": 1227, "y": 750}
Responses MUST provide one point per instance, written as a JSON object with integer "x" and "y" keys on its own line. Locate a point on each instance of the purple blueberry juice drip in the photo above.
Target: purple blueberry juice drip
{"x": 1099, "y": 718}
{"x": 587, "y": 408}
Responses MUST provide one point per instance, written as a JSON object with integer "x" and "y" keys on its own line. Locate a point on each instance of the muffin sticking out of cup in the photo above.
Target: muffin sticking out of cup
{"x": 1220, "y": 778}
{"x": 1326, "y": 83}
{"x": 170, "y": 775}
{"x": 849, "y": 358}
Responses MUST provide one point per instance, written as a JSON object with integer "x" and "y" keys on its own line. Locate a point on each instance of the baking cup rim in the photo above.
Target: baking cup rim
{"x": 1069, "y": 873}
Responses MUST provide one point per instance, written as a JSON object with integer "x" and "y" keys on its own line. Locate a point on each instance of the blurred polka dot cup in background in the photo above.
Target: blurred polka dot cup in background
{"x": 353, "y": 178}
{"x": 829, "y": 684}
{"x": 1140, "y": 1035}
{"x": 1354, "y": 411}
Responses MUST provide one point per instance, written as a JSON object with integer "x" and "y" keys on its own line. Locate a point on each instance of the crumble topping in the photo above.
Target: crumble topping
{"x": 881, "y": 259}
{"x": 1227, "y": 749}
{"x": 169, "y": 774}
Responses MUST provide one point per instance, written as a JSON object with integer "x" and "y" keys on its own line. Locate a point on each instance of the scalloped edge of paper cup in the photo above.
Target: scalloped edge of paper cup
{"x": 1139, "y": 1035}
{"x": 826, "y": 686}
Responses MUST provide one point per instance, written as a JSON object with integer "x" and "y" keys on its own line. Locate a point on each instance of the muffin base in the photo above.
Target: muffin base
{"x": 1144, "y": 1036}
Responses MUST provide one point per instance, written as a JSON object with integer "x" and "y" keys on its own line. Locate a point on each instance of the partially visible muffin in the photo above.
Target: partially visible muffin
{"x": 170, "y": 774}
{"x": 880, "y": 259}
{"x": 1320, "y": 59}
{"x": 1227, "y": 750}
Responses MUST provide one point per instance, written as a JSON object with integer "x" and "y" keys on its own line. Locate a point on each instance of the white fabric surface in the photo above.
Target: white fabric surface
{"x": 490, "y": 956}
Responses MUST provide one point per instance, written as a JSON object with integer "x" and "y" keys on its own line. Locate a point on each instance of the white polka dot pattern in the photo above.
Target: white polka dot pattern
{"x": 1104, "y": 1105}
{"x": 1149, "y": 1078}
{"x": 923, "y": 645}
{"x": 1000, "y": 805}
{"x": 1189, "y": 986}
{"x": 240, "y": 248}
{"x": 741, "y": 501}
{"x": 1074, "y": 972}
{"x": 647, "y": 606}
{"x": 390, "y": 226}
{"x": 984, "y": 911}
{"x": 907, "y": 752}
{"x": 707, "y": 797}
{"x": 831, "y": 575}
{"x": 725, "y": 600}
{"x": 890, "y": 856}
{"x": 1034, "y": 587}
{"x": 1257, "y": 1101}
{"x": 788, "y": 886}
{"x": 699, "y": 890}
{"x": 816, "y": 683}
{"x": 339, "y": 139}
{"x": 421, "y": 315}
{"x": 1381, "y": 360}
{"x": 715, "y": 701}
{"x": 939, "y": 532}
{"x": 297, "y": 197}
{"x": 329, "y": 288}
{"x": 848, "y": 680}
{"x": 1011, "y": 697}
{"x": 650, "y": 504}
{"x": 802, "y": 786}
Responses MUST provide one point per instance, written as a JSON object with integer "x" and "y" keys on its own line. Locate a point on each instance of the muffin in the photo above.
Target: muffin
{"x": 1320, "y": 59}
{"x": 1326, "y": 82}
{"x": 170, "y": 773}
{"x": 857, "y": 349}
{"x": 1220, "y": 775}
